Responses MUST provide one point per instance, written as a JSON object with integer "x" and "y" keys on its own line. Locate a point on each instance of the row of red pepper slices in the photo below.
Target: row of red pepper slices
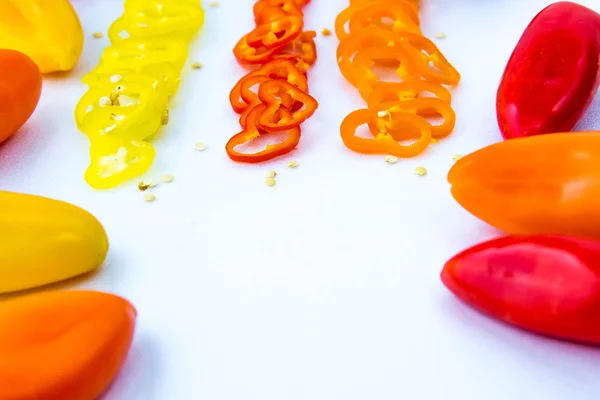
{"x": 273, "y": 98}
{"x": 396, "y": 111}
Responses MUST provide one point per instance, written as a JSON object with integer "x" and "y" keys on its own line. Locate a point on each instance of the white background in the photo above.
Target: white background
{"x": 326, "y": 286}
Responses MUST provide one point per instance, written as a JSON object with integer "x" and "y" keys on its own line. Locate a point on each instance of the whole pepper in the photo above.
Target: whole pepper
{"x": 552, "y": 74}
{"x": 63, "y": 344}
{"x": 538, "y": 184}
{"x": 46, "y": 241}
{"x": 546, "y": 284}
{"x": 49, "y": 32}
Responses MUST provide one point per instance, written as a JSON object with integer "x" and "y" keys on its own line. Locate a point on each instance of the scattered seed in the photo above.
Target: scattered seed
{"x": 114, "y": 97}
{"x": 326, "y": 32}
{"x": 292, "y": 164}
{"x": 151, "y": 184}
{"x": 270, "y": 181}
{"x": 196, "y": 65}
{"x": 391, "y": 159}
{"x": 214, "y": 4}
{"x": 457, "y": 157}
{"x": 98, "y": 35}
{"x": 270, "y": 174}
{"x": 200, "y": 146}
{"x": 166, "y": 178}
{"x": 148, "y": 197}
{"x": 143, "y": 186}
{"x": 440, "y": 35}
{"x": 421, "y": 171}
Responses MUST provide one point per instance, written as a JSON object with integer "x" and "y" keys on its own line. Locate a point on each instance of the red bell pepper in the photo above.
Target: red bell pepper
{"x": 549, "y": 285}
{"x": 552, "y": 74}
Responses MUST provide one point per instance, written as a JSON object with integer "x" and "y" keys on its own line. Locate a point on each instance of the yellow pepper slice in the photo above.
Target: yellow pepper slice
{"x": 46, "y": 241}
{"x": 49, "y": 32}
{"x": 172, "y": 19}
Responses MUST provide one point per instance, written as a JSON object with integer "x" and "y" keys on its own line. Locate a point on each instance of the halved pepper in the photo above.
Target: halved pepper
{"x": 538, "y": 184}
{"x": 549, "y": 285}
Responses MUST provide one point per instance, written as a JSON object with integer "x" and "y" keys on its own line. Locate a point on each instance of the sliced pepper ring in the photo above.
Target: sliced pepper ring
{"x": 423, "y": 107}
{"x": 426, "y": 53}
{"x": 372, "y": 36}
{"x": 251, "y": 132}
{"x": 276, "y": 34}
{"x": 302, "y": 48}
{"x": 402, "y": 16}
{"x": 275, "y": 94}
{"x": 266, "y": 11}
{"x": 386, "y": 94}
{"x": 384, "y": 142}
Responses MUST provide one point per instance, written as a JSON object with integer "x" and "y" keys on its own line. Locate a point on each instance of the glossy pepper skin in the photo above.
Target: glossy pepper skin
{"x": 46, "y": 241}
{"x": 546, "y": 284}
{"x": 49, "y": 32}
{"x": 63, "y": 345}
{"x": 20, "y": 89}
{"x": 552, "y": 74}
{"x": 538, "y": 184}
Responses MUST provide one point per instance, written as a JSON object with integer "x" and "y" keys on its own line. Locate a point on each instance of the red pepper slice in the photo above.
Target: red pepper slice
{"x": 246, "y": 54}
{"x": 546, "y": 284}
{"x": 276, "y": 69}
{"x": 276, "y": 34}
{"x": 251, "y": 131}
{"x": 266, "y": 11}
{"x": 274, "y": 94}
{"x": 552, "y": 74}
{"x": 302, "y": 48}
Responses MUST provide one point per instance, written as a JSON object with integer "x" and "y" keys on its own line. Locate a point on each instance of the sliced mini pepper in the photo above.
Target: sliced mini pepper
{"x": 385, "y": 142}
{"x": 385, "y": 95}
{"x": 63, "y": 344}
{"x": 537, "y": 184}
{"x": 266, "y": 11}
{"x": 277, "y": 33}
{"x": 302, "y": 48}
{"x": 251, "y": 132}
{"x": 549, "y": 285}
{"x": 275, "y": 93}
{"x": 552, "y": 74}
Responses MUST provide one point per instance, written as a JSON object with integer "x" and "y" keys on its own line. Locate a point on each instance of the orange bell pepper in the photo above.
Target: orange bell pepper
{"x": 534, "y": 185}
{"x": 63, "y": 345}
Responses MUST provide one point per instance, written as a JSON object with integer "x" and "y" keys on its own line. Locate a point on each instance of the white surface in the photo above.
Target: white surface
{"x": 326, "y": 286}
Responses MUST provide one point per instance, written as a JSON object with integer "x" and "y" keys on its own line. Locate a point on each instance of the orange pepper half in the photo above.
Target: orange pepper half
{"x": 534, "y": 185}
{"x": 63, "y": 345}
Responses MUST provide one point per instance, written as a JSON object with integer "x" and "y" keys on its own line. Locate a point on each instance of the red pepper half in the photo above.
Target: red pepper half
{"x": 546, "y": 284}
{"x": 251, "y": 132}
{"x": 552, "y": 74}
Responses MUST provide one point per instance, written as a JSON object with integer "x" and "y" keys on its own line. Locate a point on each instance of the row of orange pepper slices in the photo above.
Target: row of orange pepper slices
{"x": 273, "y": 98}
{"x": 396, "y": 111}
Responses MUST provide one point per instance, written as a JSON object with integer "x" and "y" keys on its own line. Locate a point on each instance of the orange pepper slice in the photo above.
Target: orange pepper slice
{"x": 385, "y": 142}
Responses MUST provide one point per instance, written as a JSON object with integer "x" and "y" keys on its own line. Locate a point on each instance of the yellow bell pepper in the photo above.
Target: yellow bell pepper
{"x": 49, "y": 32}
{"x": 44, "y": 241}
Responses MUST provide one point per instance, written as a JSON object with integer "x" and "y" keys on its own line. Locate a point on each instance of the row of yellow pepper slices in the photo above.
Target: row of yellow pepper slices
{"x": 128, "y": 97}
{"x": 397, "y": 111}
{"x": 273, "y": 98}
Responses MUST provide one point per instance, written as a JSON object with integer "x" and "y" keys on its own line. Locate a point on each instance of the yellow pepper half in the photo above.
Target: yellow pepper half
{"x": 47, "y": 31}
{"x": 44, "y": 241}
